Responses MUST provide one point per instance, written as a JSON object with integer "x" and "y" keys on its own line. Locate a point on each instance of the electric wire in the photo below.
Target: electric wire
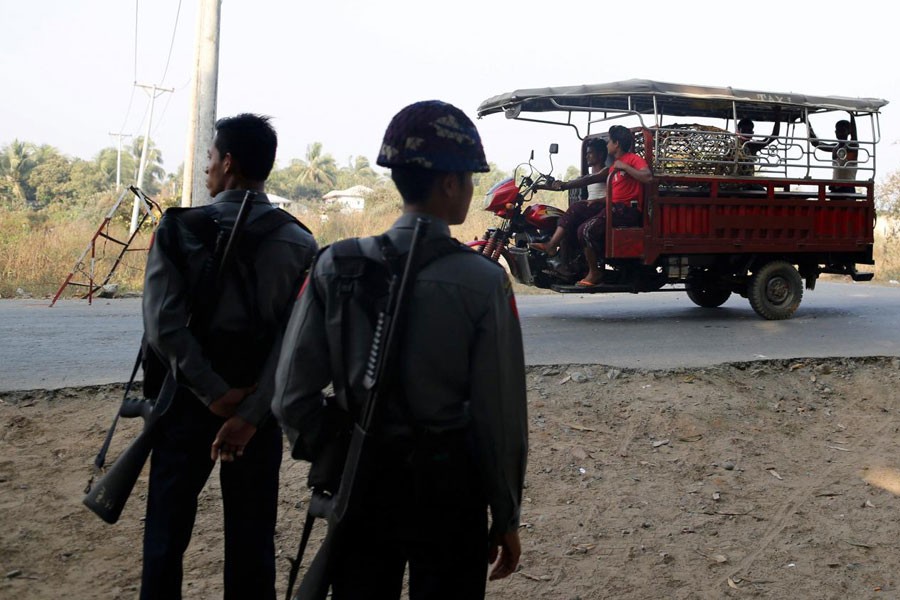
{"x": 166, "y": 71}
{"x": 136, "y": 12}
{"x": 134, "y": 79}
{"x": 171, "y": 44}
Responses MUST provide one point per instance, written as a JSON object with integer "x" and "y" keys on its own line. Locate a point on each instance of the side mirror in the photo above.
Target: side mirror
{"x": 554, "y": 148}
{"x": 532, "y": 155}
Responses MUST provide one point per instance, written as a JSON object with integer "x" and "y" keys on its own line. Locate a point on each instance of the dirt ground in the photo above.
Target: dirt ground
{"x": 776, "y": 479}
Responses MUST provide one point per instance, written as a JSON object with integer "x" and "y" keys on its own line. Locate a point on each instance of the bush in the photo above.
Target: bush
{"x": 38, "y": 249}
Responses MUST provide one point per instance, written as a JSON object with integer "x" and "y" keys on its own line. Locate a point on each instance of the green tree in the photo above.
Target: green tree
{"x": 170, "y": 194}
{"x": 57, "y": 179}
{"x": 286, "y": 182}
{"x": 357, "y": 172}
{"x": 320, "y": 169}
{"x": 16, "y": 163}
{"x": 154, "y": 173}
{"x": 572, "y": 172}
{"x": 106, "y": 161}
{"x": 87, "y": 180}
{"x": 50, "y": 179}
{"x": 887, "y": 204}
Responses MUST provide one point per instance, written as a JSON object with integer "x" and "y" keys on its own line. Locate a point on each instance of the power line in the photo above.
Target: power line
{"x": 127, "y": 111}
{"x": 146, "y": 111}
{"x": 166, "y": 70}
{"x": 135, "y": 38}
{"x": 162, "y": 116}
{"x": 134, "y": 80}
{"x": 171, "y": 44}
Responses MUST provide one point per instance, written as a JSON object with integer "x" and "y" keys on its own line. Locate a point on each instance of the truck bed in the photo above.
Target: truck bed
{"x": 703, "y": 216}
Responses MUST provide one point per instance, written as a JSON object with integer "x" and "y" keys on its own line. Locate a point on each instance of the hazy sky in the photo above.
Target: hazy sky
{"x": 335, "y": 71}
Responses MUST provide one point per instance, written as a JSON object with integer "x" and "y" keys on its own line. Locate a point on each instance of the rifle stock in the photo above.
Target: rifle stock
{"x": 107, "y": 497}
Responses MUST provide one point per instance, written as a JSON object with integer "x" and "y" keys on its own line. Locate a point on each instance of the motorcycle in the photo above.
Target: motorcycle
{"x": 524, "y": 225}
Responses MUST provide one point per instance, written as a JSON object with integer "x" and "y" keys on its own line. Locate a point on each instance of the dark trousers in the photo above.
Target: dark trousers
{"x": 593, "y": 231}
{"x": 179, "y": 468}
{"x": 426, "y": 509}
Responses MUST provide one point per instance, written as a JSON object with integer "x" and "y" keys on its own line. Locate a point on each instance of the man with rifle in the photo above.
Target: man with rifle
{"x": 217, "y": 328}
{"x": 442, "y": 356}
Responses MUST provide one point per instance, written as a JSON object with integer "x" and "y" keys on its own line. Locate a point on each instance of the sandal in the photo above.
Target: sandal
{"x": 584, "y": 283}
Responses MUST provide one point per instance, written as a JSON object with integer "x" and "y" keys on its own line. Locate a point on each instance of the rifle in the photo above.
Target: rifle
{"x": 344, "y": 506}
{"x": 107, "y": 498}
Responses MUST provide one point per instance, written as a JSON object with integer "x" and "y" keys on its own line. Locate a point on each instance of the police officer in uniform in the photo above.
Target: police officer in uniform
{"x": 222, "y": 407}
{"x": 453, "y": 440}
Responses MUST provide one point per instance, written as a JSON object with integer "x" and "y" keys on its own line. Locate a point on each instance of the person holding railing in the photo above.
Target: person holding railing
{"x": 566, "y": 233}
{"x": 744, "y": 154}
{"x": 844, "y": 152}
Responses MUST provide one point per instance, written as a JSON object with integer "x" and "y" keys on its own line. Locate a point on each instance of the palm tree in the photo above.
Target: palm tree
{"x": 320, "y": 169}
{"x": 16, "y": 163}
{"x": 106, "y": 161}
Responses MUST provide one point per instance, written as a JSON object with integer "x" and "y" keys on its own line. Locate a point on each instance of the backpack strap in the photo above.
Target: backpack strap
{"x": 354, "y": 267}
{"x": 350, "y": 262}
{"x": 202, "y": 223}
{"x": 269, "y": 222}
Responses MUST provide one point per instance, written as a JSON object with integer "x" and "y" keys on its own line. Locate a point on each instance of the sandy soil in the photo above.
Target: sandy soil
{"x": 770, "y": 479}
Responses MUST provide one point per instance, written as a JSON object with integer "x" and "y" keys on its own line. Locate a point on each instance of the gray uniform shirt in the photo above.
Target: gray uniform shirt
{"x": 175, "y": 262}
{"x": 463, "y": 364}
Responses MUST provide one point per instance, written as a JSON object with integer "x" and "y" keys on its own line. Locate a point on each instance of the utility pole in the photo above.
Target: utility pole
{"x": 203, "y": 101}
{"x": 155, "y": 92}
{"x": 119, "y": 137}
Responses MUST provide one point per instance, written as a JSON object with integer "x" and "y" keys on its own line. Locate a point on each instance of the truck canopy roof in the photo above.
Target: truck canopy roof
{"x": 654, "y": 97}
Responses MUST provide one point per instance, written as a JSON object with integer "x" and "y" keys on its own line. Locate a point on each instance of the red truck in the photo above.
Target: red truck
{"x": 724, "y": 213}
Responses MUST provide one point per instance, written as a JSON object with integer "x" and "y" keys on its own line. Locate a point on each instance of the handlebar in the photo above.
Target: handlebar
{"x": 534, "y": 180}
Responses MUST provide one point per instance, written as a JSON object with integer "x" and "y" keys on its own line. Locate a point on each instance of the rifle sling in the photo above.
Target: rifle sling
{"x": 350, "y": 260}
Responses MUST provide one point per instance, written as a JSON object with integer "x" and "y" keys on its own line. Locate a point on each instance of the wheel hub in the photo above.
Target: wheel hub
{"x": 777, "y": 290}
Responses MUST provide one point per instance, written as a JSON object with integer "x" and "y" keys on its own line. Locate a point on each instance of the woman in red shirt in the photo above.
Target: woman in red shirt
{"x": 627, "y": 177}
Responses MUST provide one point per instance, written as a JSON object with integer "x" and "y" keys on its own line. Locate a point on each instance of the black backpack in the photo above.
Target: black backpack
{"x": 238, "y": 360}
{"x": 364, "y": 280}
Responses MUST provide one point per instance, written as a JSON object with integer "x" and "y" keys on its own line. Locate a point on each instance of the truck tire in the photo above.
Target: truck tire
{"x": 775, "y": 290}
{"x": 707, "y": 295}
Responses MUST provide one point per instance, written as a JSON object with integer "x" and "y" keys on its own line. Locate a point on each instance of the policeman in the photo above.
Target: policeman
{"x": 222, "y": 405}
{"x": 453, "y": 439}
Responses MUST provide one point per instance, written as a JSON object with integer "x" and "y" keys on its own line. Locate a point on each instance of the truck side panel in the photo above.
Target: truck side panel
{"x": 773, "y": 223}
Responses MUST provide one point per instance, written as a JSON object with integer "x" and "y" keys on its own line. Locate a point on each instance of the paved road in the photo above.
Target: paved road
{"x": 75, "y": 344}
{"x": 666, "y": 330}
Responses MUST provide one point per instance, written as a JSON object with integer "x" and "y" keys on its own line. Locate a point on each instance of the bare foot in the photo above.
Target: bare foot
{"x": 544, "y": 248}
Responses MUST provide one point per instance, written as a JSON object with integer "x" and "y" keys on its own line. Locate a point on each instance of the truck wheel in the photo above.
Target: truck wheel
{"x": 775, "y": 290}
{"x": 707, "y": 295}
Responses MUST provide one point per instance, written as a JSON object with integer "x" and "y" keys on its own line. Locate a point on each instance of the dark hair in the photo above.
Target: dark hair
{"x": 842, "y": 123}
{"x": 598, "y": 146}
{"x": 745, "y": 122}
{"x": 251, "y": 140}
{"x": 622, "y": 136}
{"x": 415, "y": 183}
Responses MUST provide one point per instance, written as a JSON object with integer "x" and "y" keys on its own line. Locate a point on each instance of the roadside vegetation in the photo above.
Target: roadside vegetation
{"x": 51, "y": 205}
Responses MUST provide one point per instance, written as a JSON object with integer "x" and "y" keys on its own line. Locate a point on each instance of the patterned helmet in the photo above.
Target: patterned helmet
{"x": 433, "y": 135}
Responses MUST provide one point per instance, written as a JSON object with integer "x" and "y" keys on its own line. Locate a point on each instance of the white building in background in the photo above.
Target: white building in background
{"x": 279, "y": 201}
{"x": 351, "y": 200}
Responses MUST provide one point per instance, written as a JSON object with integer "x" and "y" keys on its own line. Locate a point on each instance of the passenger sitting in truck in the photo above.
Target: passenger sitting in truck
{"x": 742, "y": 157}
{"x": 844, "y": 153}
{"x": 627, "y": 177}
{"x": 566, "y": 234}
{"x": 748, "y": 148}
